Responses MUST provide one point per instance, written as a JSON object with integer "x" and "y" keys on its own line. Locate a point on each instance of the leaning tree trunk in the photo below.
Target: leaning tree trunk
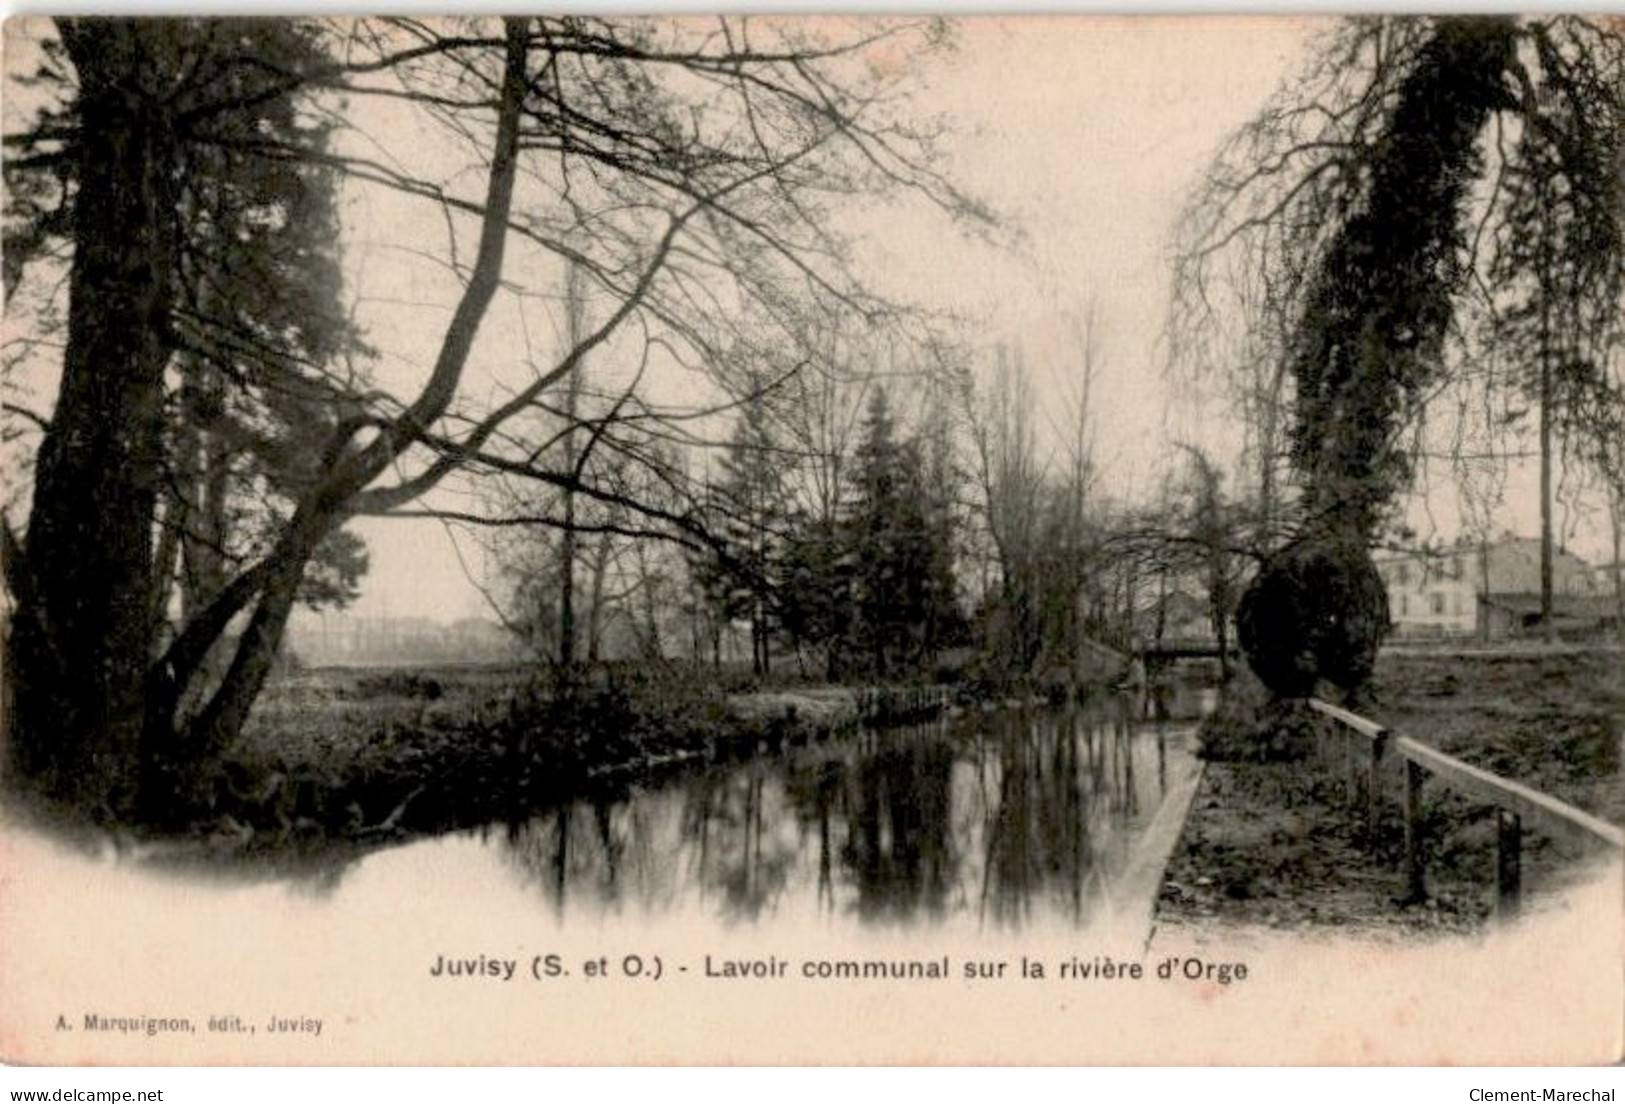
{"x": 218, "y": 724}
{"x": 94, "y": 709}
{"x": 337, "y": 492}
{"x": 83, "y": 636}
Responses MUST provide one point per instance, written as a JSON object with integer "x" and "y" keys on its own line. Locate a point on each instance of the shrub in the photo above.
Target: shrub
{"x": 1250, "y": 725}
{"x": 1317, "y": 610}
{"x": 399, "y": 684}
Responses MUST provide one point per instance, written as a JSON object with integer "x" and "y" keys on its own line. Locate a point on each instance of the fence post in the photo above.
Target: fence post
{"x": 1508, "y": 864}
{"x": 1379, "y": 744}
{"x": 1415, "y": 861}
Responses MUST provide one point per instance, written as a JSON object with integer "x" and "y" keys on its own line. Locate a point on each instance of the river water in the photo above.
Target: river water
{"x": 1033, "y": 819}
{"x": 991, "y": 820}
{"x": 983, "y": 843}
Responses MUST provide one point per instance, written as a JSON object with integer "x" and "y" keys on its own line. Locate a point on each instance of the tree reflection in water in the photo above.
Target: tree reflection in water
{"x": 1005, "y": 818}
{"x": 898, "y": 851}
{"x": 602, "y": 852}
{"x": 733, "y": 832}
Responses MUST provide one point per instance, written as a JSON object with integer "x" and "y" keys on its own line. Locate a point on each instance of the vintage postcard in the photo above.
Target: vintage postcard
{"x": 777, "y": 539}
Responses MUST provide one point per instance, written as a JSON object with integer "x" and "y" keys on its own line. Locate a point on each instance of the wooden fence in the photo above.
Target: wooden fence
{"x": 1368, "y": 747}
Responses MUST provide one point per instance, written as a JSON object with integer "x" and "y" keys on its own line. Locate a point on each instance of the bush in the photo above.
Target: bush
{"x": 1317, "y": 610}
{"x": 1252, "y": 726}
{"x": 399, "y": 684}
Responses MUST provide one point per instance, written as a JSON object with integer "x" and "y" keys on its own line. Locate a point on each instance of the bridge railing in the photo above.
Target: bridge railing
{"x": 1368, "y": 746}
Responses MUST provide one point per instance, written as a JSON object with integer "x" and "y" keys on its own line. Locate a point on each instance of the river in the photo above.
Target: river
{"x": 990, "y": 820}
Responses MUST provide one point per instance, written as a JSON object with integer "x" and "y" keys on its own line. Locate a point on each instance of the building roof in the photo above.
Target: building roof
{"x": 1509, "y": 566}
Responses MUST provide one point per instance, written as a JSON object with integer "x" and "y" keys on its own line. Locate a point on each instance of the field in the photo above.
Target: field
{"x": 1273, "y": 844}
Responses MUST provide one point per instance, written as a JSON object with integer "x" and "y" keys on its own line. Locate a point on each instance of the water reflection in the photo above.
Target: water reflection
{"x": 999, "y": 818}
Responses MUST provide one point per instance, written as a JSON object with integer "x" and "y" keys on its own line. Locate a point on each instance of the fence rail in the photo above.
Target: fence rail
{"x": 1514, "y": 803}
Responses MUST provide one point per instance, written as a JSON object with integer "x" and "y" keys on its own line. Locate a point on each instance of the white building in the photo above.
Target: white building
{"x": 1431, "y": 594}
{"x": 1450, "y": 592}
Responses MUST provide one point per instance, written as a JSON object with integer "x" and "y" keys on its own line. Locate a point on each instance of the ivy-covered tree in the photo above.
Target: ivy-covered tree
{"x": 1426, "y": 172}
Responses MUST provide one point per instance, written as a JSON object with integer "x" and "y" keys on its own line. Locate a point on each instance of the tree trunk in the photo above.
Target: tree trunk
{"x": 595, "y": 612}
{"x": 222, "y": 718}
{"x": 166, "y": 563}
{"x": 755, "y": 641}
{"x": 1162, "y": 605}
{"x": 203, "y": 466}
{"x": 575, "y": 328}
{"x": 1131, "y": 594}
{"x": 323, "y": 508}
{"x": 94, "y": 713}
{"x": 213, "y": 524}
{"x": 1548, "y": 625}
{"x": 567, "y": 580}
{"x": 83, "y": 636}
{"x": 653, "y": 648}
{"x": 1617, "y": 530}
{"x": 767, "y": 644}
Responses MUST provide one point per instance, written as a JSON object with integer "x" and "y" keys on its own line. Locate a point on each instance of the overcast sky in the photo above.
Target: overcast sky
{"x": 1086, "y": 133}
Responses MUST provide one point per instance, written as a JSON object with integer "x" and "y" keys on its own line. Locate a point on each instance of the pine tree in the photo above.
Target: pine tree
{"x": 899, "y": 551}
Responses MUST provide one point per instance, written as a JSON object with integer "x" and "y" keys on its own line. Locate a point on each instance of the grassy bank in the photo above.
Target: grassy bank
{"x": 1274, "y": 844}
{"x": 353, "y": 755}
{"x": 1552, "y": 720}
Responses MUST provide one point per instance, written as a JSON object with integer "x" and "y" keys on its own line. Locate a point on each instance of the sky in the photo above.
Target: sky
{"x": 1084, "y": 134}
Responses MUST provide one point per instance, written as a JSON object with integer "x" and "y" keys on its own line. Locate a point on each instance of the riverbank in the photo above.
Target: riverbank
{"x": 340, "y": 757}
{"x": 1273, "y": 845}
{"x": 340, "y": 754}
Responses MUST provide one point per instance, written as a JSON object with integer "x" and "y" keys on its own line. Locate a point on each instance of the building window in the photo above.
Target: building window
{"x": 1438, "y": 601}
{"x": 1455, "y": 602}
{"x": 1404, "y": 574}
{"x": 1404, "y": 604}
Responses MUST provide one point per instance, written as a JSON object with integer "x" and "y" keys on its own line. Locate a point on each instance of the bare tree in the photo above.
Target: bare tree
{"x": 1010, "y": 478}
{"x": 1036, "y": 508}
